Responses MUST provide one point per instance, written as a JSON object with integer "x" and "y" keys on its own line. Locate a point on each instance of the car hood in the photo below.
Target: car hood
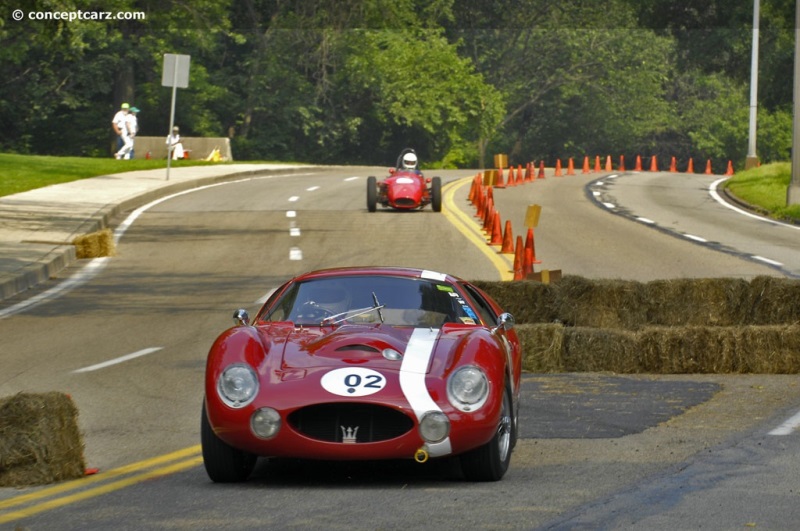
{"x": 351, "y": 345}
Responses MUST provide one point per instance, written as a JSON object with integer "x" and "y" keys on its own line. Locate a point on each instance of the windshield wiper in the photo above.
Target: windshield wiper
{"x": 378, "y": 306}
{"x": 344, "y": 316}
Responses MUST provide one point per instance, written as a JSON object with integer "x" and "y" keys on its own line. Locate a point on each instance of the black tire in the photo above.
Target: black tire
{"x": 490, "y": 461}
{"x": 436, "y": 194}
{"x": 223, "y": 462}
{"x": 372, "y": 194}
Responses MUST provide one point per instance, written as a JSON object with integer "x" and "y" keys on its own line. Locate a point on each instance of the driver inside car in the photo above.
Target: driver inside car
{"x": 408, "y": 161}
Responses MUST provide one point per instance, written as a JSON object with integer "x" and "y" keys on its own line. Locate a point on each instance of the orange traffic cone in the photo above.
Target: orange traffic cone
{"x": 529, "y": 172}
{"x": 511, "y": 180}
{"x": 487, "y": 219}
{"x": 499, "y": 181}
{"x": 690, "y": 166}
{"x": 530, "y": 252}
{"x": 729, "y": 171}
{"x": 518, "y": 259}
{"x": 508, "y": 240}
{"x": 585, "y": 165}
{"x": 520, "y": 178}
{"x": 570, "y": 167}
{"x": 608, "y": 163}
{"x": 638, "y": 163}
{"x": 597, "y": 163}
{"x": 653, "y": 164}
{"x": 621, "y": 163}
{"x": 472, "y": 192}
{"x": 541, "y": 170}
{"x": 497, "y": 235}
{"x": 558, "y": 168}
{"x": 480, "y": 211}
{"x": 708, "y": 167}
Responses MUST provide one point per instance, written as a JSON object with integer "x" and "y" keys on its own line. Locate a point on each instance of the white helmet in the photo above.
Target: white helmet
{"x": 409, "y": 161}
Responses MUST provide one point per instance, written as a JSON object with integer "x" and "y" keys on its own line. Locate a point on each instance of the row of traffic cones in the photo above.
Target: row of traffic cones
{"x": 529, "y": 174}
{"x": 482, "y": 197}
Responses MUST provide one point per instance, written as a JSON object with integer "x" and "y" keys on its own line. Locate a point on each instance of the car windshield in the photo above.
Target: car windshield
{"x": 397, "y": 301}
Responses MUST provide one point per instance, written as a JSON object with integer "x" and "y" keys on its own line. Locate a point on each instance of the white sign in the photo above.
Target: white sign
{"x": 176, "y": 70}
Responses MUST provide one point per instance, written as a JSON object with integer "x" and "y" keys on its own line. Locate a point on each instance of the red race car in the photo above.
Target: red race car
{"x": 405, "y": 188}
{"x": 365, "y": 364}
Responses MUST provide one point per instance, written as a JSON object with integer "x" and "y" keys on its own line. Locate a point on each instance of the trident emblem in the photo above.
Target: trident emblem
{"x": 349, "y": 435}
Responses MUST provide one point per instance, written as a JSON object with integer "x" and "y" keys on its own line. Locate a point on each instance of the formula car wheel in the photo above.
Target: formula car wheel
{"x": 490, "y": 461}
{"x": 223, "y": 462}
{"x": 372, "y": 194}
{"x": 436, "y": 194}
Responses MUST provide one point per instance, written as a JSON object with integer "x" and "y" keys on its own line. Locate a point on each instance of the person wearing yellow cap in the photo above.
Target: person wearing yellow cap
{"x": 120, "y": 125}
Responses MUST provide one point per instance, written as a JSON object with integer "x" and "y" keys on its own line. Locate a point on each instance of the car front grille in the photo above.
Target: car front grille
{"x": 350, "y": 422}
{"x": 405, "y": 202}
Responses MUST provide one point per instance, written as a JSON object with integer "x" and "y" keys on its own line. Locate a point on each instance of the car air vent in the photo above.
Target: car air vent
{"x": 360, "y": 347}
{"x": 350, "y": 422}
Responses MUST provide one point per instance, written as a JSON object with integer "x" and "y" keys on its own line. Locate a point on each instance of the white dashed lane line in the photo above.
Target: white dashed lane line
{"x": 121, "y": 359}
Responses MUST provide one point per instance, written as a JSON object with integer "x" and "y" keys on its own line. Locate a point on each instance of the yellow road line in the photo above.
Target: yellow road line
{"x": 467, "y": 226}
{"x": 178, "y": 459}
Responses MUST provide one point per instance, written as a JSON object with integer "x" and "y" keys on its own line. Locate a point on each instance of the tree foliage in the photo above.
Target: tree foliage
{"x": 354, "y": 81}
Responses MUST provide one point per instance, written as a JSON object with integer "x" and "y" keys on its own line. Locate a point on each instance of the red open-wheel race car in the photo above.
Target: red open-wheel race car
{"x": 406, "y": 188}
{"x": 361, "y": 364}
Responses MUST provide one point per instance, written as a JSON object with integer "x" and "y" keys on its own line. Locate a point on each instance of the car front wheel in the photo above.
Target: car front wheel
{"x": 223, "y": 462}
{"x": 372, "y": 194}
{"x": 436, "y": 194}
{"x": 490, "y": 461}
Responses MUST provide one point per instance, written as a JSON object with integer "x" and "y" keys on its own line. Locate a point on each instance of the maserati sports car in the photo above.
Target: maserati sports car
{"x": 365, "y": 363}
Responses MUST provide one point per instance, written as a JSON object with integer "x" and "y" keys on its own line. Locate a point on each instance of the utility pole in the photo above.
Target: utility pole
{"x": 752, "y": 158}
{"x": 793, "y": 192}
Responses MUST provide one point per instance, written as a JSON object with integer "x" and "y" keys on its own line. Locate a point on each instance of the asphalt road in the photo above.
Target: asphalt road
{"x": 598, "y": 451}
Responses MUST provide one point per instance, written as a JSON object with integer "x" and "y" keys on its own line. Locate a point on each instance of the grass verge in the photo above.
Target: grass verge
{"x": 765, "y": 188}
{"x": 20, "y": 173}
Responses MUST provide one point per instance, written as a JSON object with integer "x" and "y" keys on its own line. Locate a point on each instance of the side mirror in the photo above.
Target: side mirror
{"x": 505, "y": 321}
{"x": 391, "y": 171}
{"x": 241, "y": 318}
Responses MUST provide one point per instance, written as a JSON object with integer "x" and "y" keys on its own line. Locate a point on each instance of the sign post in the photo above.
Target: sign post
{"x": 175, "y": 74}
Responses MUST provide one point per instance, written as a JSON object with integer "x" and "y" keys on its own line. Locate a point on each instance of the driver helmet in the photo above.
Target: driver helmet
{"x": 409, "y": 161}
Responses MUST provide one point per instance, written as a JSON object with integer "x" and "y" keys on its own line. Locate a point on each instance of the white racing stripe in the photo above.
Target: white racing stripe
{"x": 416, "y": 360}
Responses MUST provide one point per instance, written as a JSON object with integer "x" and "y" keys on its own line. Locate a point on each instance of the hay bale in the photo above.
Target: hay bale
{"x": 774, "y": 301}
{"x": 542, "y": 347}
{"x": 527, "y": 301}
{"x": 95, "y": 245}
{"x": 600, "y": 303}
{"x": 600, "y": 350}
{"x": 39, "y": 440}
{"x": 697, "y": 302}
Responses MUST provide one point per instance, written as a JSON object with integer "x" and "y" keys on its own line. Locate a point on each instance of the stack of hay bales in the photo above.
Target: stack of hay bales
{"x": 39, "y": 440}
{"x": 721, "y": 325}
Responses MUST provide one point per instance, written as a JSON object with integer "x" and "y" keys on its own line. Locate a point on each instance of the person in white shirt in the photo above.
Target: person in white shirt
{"x": 174, "y": 144}
{"x": 120, "y": 125}
{"x": 132, "y": 122}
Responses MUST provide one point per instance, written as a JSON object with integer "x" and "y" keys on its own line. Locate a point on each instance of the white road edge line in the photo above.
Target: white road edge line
{"x": 115, "y": 361}
{"x": 712, "y": 190}
{"x": 787, "y": 427}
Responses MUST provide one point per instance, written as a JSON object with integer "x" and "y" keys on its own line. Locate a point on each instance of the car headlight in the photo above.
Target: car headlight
{"x": 237, "y": 386}
{"x": 468, "y": 388}
{"x": 265, "y": 422}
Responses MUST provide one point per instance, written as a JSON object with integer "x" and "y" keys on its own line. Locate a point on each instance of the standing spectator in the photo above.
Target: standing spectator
{"x": 120, "y": 125}
{"x": 132, "y": 123}
{"x": 174, "y": 144}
